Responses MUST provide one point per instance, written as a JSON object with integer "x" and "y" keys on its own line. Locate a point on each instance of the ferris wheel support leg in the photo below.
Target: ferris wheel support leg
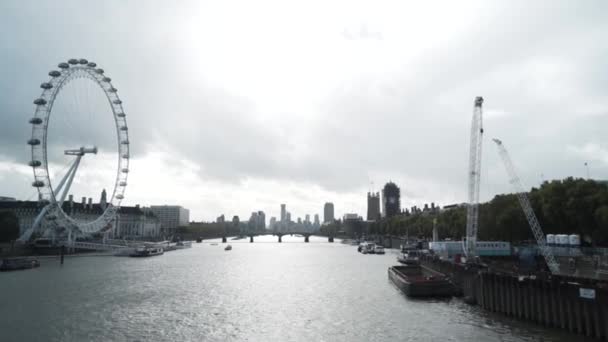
{"x": 28, "y": 233}
{"x": 67, "y": 175}
{"x": 71, "y": 174}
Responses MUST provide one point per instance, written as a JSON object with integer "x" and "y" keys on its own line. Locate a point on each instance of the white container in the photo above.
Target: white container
{"x": 562, "y": 239}
{"x": 575, "y": 240}
{"x": 550, "y": 239}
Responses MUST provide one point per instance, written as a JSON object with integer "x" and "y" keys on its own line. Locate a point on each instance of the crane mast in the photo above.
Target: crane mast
{"x": 527, "y": 208}
{"x": 474, "y": 179}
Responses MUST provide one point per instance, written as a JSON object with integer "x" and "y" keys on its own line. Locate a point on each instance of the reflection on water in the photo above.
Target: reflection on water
{"x": 264, "y": 291}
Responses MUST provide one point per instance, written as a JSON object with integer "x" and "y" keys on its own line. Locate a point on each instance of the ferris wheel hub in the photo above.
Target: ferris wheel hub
{"x": 81, "y": 151}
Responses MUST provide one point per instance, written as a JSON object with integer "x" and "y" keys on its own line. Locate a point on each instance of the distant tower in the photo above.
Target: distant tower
{"x": 317, "y": 220}
{"x": 373, "y": 206}
{"x": 103, "y": 201}
{"x": 391, "y": 200}
{"x": 283, "y": 213}
{"x": 328, "y": 212}
{"x": 261, "y": 221}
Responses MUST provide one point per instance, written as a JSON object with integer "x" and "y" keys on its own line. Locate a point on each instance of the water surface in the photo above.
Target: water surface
{"x": 263, "y": 291}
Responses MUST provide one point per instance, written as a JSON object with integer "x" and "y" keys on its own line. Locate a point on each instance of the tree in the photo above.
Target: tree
{"x": 9, "y": 226}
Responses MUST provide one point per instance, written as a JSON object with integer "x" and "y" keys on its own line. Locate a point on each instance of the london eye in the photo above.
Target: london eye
{"x": 52, "y": 194}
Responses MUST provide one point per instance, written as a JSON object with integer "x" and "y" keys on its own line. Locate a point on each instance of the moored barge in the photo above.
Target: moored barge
{"x": 417, "y": 281}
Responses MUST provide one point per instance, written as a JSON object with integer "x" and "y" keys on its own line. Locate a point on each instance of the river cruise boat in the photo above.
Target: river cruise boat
{"x": 417, "y": 281}
{"x": 15, "y": 264}
{"x": 147, "y": 251}
{"x": 378, "y": 249}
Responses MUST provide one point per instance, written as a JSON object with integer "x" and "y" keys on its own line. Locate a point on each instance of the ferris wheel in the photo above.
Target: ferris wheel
{"x": 53, "y": 215}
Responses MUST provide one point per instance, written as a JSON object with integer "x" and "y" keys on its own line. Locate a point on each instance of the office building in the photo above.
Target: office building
{"x": 328, "y": 212}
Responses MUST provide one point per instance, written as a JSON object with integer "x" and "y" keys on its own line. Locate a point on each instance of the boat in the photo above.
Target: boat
{"x": 417, "y": 281}
{"x": 15, "y": 264}
{"x": 409, "y": 257}
{"x": 378, "y": 249}
{"x": 147, "y": 251}
{"x": 228, "y": 248}
{"x": 199, "y": 239}
{"x": 214, "y": 244}
{"x": 183, "y": 245}
{"x": 368, "y": 248}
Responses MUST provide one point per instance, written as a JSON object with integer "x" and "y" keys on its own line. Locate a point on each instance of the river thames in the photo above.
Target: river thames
{"x": 263, "y": 291}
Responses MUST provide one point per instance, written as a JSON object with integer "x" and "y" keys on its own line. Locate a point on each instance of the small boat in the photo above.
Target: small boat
{"x": 228, "y": 248}
{"x": 14, "y": 264}
{"x": 417, "y": 281}
{"x": 183, "y": 245}
{"x": 378, "y": 249}
{"x": 146, "y": 251}
{"x": 368, "y": 248}
{"x": 409, "y": 257}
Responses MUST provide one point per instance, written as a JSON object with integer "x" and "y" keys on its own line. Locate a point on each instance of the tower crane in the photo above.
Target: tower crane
{"x": 474, "y": 179}
{"x": 527, "y": 208}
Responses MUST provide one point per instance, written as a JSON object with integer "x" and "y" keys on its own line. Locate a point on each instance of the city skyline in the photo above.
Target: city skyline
{"x": 228, "y": 131}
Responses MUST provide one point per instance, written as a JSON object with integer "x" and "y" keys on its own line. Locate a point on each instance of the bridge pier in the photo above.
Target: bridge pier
{"x": 251, "y": 239}
{"x": 330, "y": 239}
{"x": 280, "y": 238}
{"x": 223, "y": 239}
{"x": 306, "y": 238}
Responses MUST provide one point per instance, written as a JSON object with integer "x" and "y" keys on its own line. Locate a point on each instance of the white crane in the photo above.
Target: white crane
{"x": 474, "y": 179}
{"x": 527, "y": 208}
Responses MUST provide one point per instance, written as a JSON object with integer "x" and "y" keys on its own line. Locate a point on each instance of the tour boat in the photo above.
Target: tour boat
{"x": 228, "y": 248}
{"x": 417, "y": 281}
{"x": 146, "y": 251}
{"x": 14, "y": 264}
{"x": 378, "y": 249}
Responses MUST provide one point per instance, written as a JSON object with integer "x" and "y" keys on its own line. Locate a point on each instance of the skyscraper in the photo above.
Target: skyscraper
{"x": 373, "y": 206}
{"x": 328, "y": 212}
{"x": 283, "y": 213}
{"x": 261, "y": 221}
{"x": 391, "y": 200}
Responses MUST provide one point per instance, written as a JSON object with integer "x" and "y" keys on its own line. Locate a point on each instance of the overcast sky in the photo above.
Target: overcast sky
{"x": 240, "y": 106}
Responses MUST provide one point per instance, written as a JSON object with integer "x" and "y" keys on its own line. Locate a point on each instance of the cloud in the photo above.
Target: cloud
{"x": 233, "y": 111}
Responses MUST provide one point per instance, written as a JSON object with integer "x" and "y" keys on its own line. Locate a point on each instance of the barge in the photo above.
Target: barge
{"x": 417, "y": 281}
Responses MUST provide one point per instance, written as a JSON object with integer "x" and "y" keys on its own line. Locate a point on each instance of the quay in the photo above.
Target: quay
{"x": 578, "y": 305}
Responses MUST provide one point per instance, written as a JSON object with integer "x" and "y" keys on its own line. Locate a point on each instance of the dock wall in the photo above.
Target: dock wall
{"x": 574, "y": 304}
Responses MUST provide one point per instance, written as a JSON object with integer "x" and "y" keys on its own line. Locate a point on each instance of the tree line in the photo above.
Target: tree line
{"x": 569, "y": 206}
